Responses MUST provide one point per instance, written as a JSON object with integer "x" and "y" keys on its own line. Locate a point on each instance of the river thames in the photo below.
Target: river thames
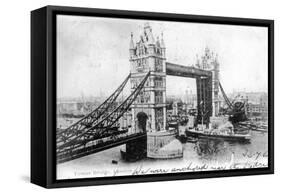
{"x": 204, "y": 155}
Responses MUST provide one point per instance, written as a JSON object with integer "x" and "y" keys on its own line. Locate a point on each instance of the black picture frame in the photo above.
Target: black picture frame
{"x": 43, "y": 95}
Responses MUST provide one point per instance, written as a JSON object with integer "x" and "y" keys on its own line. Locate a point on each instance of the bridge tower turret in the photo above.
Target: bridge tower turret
{"x": 149, "y": 109}
{"x": 209, "y": 61}
{"x": 216, "y": 100}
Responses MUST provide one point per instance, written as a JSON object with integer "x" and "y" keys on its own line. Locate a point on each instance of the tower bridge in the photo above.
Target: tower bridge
{"x": 148, "y": 131}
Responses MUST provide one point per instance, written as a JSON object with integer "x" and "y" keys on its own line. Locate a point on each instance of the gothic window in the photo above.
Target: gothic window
{"x": 133, "y": 83}
{"x": 140, "y": 66}
{"x": 136, "y": 83}
{"x": 158, "y": 64}
{"x": 147, "y": 83}
{"x": 140, "y": 98}
{"x": 147, "y": 97}
{"x": 142, "y": 50}
{"x": 157, "y": 50}
{"x": 159, "y": 119}
{"x": 158, "y": 82}
{"x": 143, "y": 97}
{"x": 158, "y": 96}
{"x": 138, "y": 50}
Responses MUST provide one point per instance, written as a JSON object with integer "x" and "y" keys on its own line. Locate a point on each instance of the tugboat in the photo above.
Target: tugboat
{"x": 236, "y": 113}
{"x": 211, "y": 134}
{"x": 225, "y": 131}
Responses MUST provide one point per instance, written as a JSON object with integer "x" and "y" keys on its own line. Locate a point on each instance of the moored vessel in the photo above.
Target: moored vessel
{"x": 228, "y": 136}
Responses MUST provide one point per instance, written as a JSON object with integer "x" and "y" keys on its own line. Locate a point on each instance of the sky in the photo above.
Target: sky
{"x": 93, "y": 53}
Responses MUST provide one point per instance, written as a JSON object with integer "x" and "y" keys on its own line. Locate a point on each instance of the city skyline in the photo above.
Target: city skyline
{"x": 85, "y": 54}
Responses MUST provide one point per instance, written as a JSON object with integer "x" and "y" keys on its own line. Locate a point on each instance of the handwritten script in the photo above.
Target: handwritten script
{"x": 248, "y": 160}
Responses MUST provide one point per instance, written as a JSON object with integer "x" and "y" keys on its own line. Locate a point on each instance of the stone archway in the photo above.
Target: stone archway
{"x": 141, "y": 121}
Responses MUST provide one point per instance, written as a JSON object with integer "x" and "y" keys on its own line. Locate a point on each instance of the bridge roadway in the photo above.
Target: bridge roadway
{"x": 104, "y": 145}
{"x": 186, "y": 71}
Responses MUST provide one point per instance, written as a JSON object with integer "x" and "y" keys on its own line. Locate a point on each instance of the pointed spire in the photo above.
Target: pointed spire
{"x": 158, "y": 42}
{"x": 197, "y": 64}
{"x": 132, "y": 45}
{"x": 150, "y": 37}
{"x": 162, "y": 44}
{"x": 216, "y": 59}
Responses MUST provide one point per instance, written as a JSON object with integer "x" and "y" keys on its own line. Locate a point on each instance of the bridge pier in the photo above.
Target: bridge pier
{"x": 135, "y": 150}
{"x": 163, "y": 145}
{"x": 157, "y": 145}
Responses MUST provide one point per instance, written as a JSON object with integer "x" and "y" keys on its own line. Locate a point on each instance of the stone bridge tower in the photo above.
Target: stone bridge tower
{"x": 148, "y": 54}
{"x": 209, "y": 61}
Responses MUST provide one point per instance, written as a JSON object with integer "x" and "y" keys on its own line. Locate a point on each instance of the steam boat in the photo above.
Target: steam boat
{"x": 236, "y": 113}
{"x": 228, "y": 136}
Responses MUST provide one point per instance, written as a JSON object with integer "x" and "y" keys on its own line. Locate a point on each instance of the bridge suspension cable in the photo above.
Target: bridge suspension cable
{"x": 105, "y": 127}
{"x": 92, "y": 118}
{"x": 229, "y": 104}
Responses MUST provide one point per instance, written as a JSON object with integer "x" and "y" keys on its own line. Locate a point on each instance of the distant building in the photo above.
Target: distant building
{"x": 258, "y": 109}
{"x": 175, "y": 108}
{"x": 259, "y": 106}
{"x": 70, "y": 108}
{"x": 76, "y": 107}
{"x": 256, "y": 102}
{"x": 252, "y": 97}
{"x": 190, "y": 99}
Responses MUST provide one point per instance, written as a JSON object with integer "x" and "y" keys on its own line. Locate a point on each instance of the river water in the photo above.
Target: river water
{"x": 204, "y": 155}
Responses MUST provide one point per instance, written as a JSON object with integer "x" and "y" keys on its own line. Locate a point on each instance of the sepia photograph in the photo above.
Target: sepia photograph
{"x": 138, "y": 97}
